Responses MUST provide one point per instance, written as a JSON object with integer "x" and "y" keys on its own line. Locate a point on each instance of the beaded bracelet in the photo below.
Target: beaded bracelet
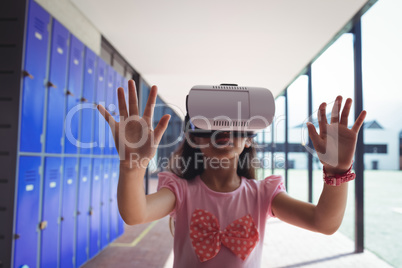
{"x": 338, "y": 179}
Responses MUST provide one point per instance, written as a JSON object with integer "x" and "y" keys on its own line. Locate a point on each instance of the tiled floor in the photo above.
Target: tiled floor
{"x": 150, "y": 245}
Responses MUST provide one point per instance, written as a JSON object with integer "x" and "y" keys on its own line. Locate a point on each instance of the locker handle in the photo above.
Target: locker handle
{"x": 111, "y": 200}
{"x": 16, "y": 236}
{"x": 50, "y": 84}
{"x": 25, "y": 73}
{"x": 91, "y": 212}
{"x": 83, "y": 99}
{"x": 69, "y": 93}
{"x": 61, "y": 218}
{"x": 78, "y": 213}
{"x": 101, "y": 203}
{"x": 42, "y": 225}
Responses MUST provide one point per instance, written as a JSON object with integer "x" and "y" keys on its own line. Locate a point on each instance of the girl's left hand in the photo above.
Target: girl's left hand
{"x": 336, "y": 143}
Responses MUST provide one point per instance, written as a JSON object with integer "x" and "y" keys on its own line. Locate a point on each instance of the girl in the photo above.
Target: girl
{"x": 220, "y": 210}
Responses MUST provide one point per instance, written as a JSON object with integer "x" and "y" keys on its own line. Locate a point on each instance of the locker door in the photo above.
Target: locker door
{"x": 94, "y": 230}
{"x": 113, "y": 197}
{"x": 125, "y": 86}
{"x": 120, "y": 222}
{"x": 74, "y": 88}
{"x": 99, "y": 122}
{"x": 118, "y": 82}
{"x": 105, "y": 194}
{"x": 88, "y": 99}
{"x": 33, "y": 92}
{"x": 27, "y": 209}
{"x": 50, "y": 212}
{"x": 83, "y": 211}
{"x": 56, "y": 86}
{"x": 68, "y": 212}
{"x": 111, "y": 73}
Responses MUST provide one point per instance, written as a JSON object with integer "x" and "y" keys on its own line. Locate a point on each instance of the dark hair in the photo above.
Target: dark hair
{"x": 189, "y": 170}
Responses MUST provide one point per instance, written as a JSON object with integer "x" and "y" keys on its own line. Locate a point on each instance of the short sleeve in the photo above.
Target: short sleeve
{"x": 174, "y": 183}
{"x": 271, "y": 186}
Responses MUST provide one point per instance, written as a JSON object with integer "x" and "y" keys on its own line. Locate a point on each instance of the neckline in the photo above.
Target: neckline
{"x": 203, "y": 185}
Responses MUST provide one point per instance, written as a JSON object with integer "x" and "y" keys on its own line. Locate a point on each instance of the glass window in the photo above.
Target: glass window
{"x": 333, "y": 75}
{"x": 279, "y": 136}
{"x": 297, "y": 156}
{"x": 382, "y": 55}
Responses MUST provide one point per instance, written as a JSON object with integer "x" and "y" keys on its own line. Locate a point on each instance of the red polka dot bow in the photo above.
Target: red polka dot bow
{"x": 241, "y": 236}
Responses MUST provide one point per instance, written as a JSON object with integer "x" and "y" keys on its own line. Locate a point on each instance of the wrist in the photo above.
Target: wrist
{"x": 133, "y": 164}
{"x": 339, "y": 176}
{"x": 332, "y": 171}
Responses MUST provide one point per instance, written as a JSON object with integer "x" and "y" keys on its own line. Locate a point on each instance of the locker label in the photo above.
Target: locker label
{"x": 38, "y": 35}
{"x": 60, "y": 50}
{"x": 29, "y": 187}
{"x": 52, "y": 184}
{"x": 69, "y": 181}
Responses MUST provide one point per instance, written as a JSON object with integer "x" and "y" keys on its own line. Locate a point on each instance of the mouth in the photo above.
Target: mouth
{"x": 222, "y": 138}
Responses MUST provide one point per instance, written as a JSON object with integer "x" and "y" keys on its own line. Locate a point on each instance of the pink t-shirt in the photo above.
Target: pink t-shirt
{"x": 252, "y": 197}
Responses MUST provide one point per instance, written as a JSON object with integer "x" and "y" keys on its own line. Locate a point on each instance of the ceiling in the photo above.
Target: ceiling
{"x": 177, "y": 44}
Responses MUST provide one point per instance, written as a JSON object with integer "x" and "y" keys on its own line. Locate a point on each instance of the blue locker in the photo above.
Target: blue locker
{"x": 105, "y": 195}
{"x": 68, "y": 212}
{"x": 88, "y": 100}
{"x": 56, "y": 86}
{"x": 118, "y": 82}
{"x": 33, "y": 92}
{"x": 100, "y": 123}
{"x": 27, "y": 209}
{"x": 120, "y": 222}
{"x": 74, "y": 88}
{"x": 125, "y": 86}
{"x": 111, "y": 73}
{"x": 83, "y": 211}
{"x": 144, "y": 93}
{"x": 114, "y": 211}
{"x": 50, "y": 212}
{"x": 94, "y": 230}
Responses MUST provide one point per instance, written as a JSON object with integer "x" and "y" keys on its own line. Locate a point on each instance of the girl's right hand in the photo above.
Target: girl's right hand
{"x": 135, "y": 139}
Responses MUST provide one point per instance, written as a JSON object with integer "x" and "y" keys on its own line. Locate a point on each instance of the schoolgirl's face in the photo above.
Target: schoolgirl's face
{"x": 222, "y": 145}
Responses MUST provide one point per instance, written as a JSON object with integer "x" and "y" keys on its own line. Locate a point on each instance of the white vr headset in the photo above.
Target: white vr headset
{"x": 228, "y": 107}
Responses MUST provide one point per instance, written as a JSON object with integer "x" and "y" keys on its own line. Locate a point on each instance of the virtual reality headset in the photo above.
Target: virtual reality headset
{"x": 240, "y": 110}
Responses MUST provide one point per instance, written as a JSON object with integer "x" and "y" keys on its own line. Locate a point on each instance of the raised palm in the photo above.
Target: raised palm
{"x": 336, "y": 143}
{"x": 135, "y": 139}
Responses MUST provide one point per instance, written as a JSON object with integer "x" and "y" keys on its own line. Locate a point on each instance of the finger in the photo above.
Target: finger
{"x": 122, "y": 103}
{"x": 132, "y": 98}
{"x": 322, "y": 118}
{"x": 345, "y": 112}
{"x": 312, "y": 132}
{"x": 336, "y": 109}
{"x": 359, "y": 121}
{"x": 105, "y": 114}
{"x": 161, "y": 127}
{"x": 149, "y": 108}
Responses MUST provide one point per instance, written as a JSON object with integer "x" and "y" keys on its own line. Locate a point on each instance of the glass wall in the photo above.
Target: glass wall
{"x": 279, "y": 136}
{"x": 382, "y": 56}
{"x": 297, "y": 156}
{"x": 333, "y": 75}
